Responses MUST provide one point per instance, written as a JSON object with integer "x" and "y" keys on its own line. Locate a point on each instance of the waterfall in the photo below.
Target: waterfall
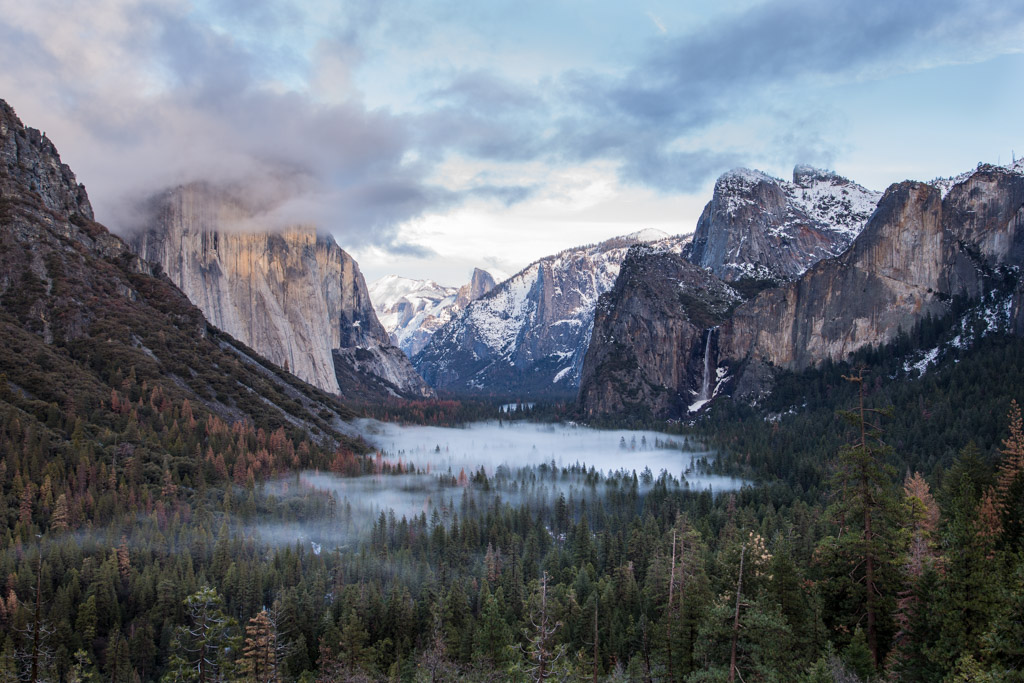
{"x": 705, "y": 387}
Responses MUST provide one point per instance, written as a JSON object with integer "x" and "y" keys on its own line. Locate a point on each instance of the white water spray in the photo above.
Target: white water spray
{"x": 705, "y": 387}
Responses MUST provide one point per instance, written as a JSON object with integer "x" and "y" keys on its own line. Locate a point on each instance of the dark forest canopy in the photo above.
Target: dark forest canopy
{"x": 151, "y": 520}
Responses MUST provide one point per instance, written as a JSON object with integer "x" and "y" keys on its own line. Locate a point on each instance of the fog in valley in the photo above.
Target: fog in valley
{"x": 521, "y": 443}
{"x": 443, "y": 474}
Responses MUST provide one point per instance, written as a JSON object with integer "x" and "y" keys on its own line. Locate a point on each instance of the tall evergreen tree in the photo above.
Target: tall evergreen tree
{"x": 867, "y": 550}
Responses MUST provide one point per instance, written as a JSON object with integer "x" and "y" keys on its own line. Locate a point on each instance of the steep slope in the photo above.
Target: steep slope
{"x": 529, "y": 335}
{"x": 762, "y": 228}
{"x": 660, "y": 302}
{"x": 89, "y": 334}
{"x": 413, "y": 310}
{"x": 295, "y": 297}
{"x": 918, "y": 254}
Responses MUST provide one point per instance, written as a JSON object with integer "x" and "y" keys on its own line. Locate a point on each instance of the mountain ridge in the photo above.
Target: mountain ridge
{"x": 921, "y": 248}
{"x": 528, "y": 335}
{"x": 84, "y": 322}
{"x": 412, "y": 310}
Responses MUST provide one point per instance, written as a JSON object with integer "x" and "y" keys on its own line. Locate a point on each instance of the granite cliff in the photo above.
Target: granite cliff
{"x": 918, "y": 252}
{"x": 660, "y": 303}
{"x": 762, "y": 228}
{"x": 294, "y": 296}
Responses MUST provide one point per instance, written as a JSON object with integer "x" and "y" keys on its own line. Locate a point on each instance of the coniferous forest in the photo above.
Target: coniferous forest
{"x": 177, "y": 508}
{"x": 139, "y": 544}
{"x": 499, "y": 341}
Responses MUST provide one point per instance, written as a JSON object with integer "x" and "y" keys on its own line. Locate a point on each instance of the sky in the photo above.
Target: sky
{"x": 432, "y": 136}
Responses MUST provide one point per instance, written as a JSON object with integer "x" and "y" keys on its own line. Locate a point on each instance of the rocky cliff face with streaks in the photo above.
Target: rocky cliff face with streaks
{"x": 295, "y": 297}
{"x": 919, "y": 250}
{"x": 763, "y": 228}
{"x": 528, "y": 336}
{"x": 654, "y": 334}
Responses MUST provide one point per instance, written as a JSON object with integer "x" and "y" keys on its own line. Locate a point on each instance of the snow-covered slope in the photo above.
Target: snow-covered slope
{"x": 412, "y": 310}
{"x": 760, "y": 227}
{"x": 946, "y": 184}
{"x": 529, "y": 335}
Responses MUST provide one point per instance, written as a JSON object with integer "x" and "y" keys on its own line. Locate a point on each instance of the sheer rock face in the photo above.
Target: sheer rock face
{"x": 894, "y": 273}
{"x": 763, "y": 228}
{"x": 528, "y": 336}
{"x": 293, "y": 296}
{"x": 413, "y": 310}
{"x": 918, "y": 250}
{"x": 80, "y": 308}
{"x": 652, "y": 335}
{"x": 479, "y": 284}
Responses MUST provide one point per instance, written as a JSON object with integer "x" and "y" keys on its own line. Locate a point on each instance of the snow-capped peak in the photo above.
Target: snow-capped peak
{"x": 647, "y": 235}
{"x": 744, "y": 176}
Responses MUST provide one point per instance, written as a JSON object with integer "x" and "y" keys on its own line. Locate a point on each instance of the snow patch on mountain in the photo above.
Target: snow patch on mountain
{"x": 759, "y": 226}
{"x": 413, "y": 310}
{"x": 532, "y": 331}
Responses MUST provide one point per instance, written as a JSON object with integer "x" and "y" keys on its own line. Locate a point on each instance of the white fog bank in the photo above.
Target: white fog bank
{"x": 520, "y": 444}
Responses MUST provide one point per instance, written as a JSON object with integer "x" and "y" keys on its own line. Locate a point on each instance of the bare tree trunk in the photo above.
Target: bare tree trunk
{"x": 37, "y": 625}
{"x": 736, "y": 619}
{"x": 668, "y": 615}
{"x": 869, "y": 580}
{"x": 869, "y": 558}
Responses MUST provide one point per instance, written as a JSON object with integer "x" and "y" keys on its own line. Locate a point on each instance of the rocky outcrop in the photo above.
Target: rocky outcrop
{"x": 528, "y": 336}
{"x": 479, "y": 284}
{"x": 28, "y": 156}
{"x": 762, "y": 228}
{"x": 413, "y": 310}
{"x": 83, "y": 320}
{"x": 660, "y": 306}
{"x": 294, "y": 296}
{"x": 918, "y": 251}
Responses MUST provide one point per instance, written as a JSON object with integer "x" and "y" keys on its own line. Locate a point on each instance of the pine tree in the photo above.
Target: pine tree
{"x": 967, "y": 594}
{"x": 1008, "y": 496}
{"x": 59, "y": 520}
{"x": 868, "y": 547}
{"x": 492, "y": 634}
{"x": 1004, "y": 641}
{"x": 207, "y": 639}
{"x": 542, "y": 653}
{"x": 259, "y": 653}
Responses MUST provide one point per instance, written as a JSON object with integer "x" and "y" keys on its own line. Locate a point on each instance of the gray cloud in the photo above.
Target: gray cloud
{"x": 212, "y": 118}
{"x": 156, "y": 97}
{"x": 725, "y": 71}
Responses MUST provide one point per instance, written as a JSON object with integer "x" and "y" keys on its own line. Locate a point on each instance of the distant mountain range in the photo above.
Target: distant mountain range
{"x": 413, "y": 310}
{"x": 528, "y": 336}
{"x": 778, "y": 275}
